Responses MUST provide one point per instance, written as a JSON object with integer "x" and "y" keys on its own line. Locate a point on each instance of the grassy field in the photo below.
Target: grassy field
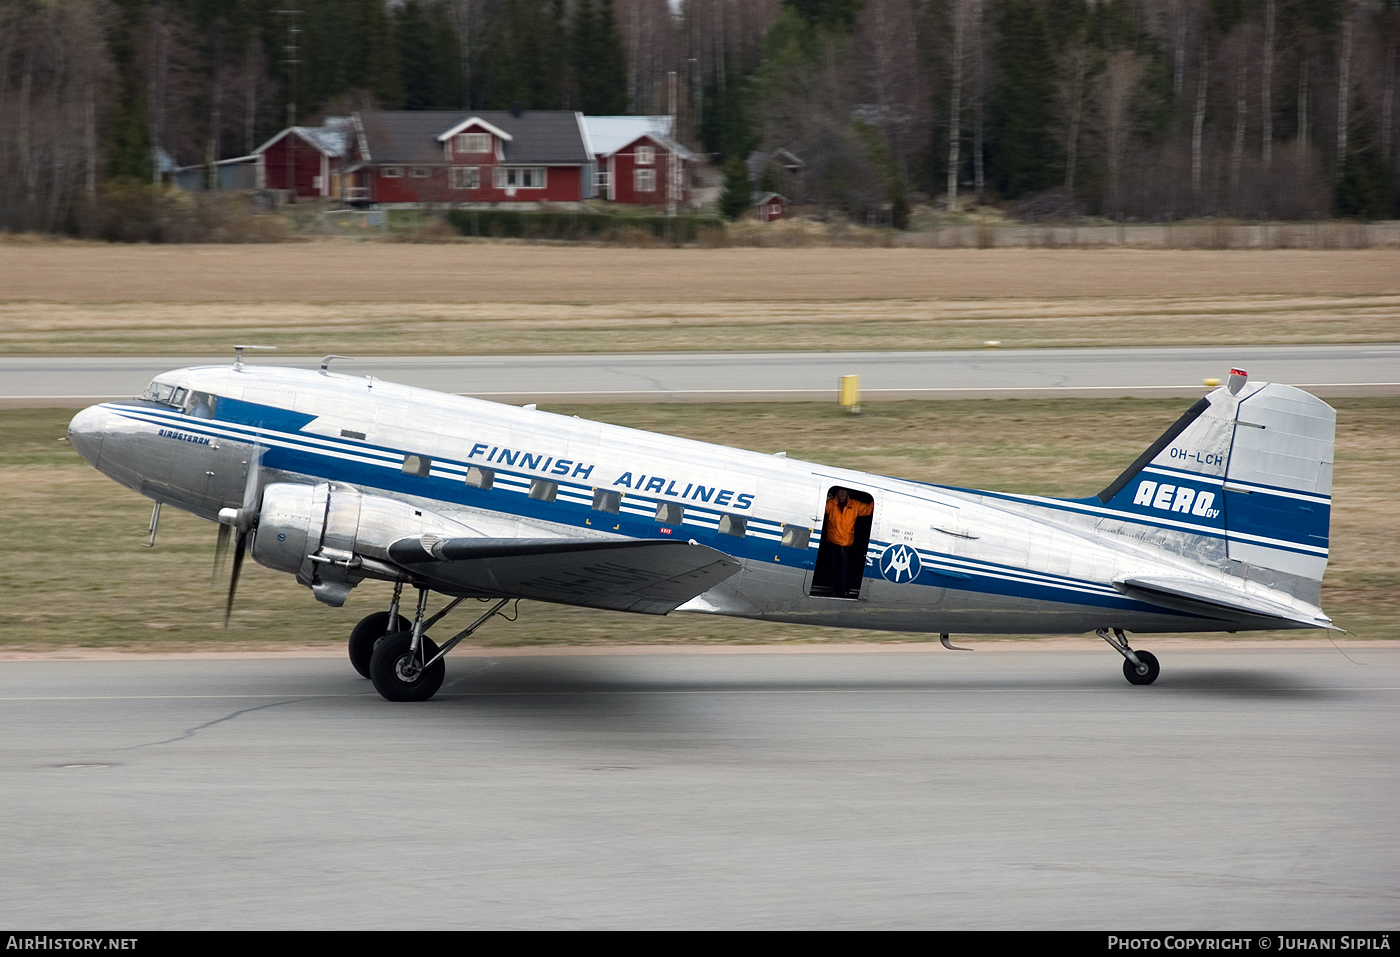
{"x": 76, "y": 574}
{"x": 502, "y": 298}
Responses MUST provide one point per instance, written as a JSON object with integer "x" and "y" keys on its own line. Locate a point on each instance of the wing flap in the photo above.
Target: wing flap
{"x": 1217, "y": 600}
{"x": 620, "y": 574}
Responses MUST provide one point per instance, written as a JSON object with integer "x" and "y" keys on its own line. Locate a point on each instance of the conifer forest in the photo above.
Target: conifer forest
{"x": 1133, "y": 110}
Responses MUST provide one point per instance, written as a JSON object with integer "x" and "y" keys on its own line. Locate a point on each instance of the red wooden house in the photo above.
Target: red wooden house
{"x": 636, "y": 158}
{"x": 435, "y": 156}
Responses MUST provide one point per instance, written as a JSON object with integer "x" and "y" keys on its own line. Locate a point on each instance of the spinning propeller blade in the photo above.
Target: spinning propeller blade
{"x": 240, "y": 547}
{"x": 243, "y": 521}
{"x": 220, "y": 552}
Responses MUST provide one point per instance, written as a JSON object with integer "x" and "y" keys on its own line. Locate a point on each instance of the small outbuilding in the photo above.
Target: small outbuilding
{"x": 305, "y": 160}
{"x": 770, "y": 206}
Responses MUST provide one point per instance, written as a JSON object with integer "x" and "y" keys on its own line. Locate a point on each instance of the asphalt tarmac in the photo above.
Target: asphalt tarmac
{"x": 1327, "y": 371}
{"x": 1020, "y": 786}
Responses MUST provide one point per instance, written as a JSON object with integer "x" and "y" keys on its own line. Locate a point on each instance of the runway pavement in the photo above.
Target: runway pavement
{"x": 1328, "y": 371}
{"x": 1251, "y": 787}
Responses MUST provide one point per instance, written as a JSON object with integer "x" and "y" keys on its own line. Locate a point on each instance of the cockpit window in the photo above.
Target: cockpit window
{"x": 159, "y": 392}
{"x": 199, "y": 404}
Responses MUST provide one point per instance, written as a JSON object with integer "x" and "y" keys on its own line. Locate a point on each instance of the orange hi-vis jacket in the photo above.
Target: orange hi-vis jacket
{"x": 841, "y": 522}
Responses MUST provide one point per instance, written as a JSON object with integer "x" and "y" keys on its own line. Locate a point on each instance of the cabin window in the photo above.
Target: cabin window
{"x": 419, "y": 465}
{"x": 543, "y": 490}
{"x": 481, "y": 478}
{"x": 352, "y": 434}
{"x": 644, "y": 180}
{"x": 606, "y": 500}
{"x": 736, "y": 525}
{"x": 669, "y": 513}
{"x": 795, "y": 536}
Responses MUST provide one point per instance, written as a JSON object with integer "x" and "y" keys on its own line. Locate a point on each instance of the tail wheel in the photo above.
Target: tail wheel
{"x": 399, "y": 675}
{"x": 370, "y": 629}
{"x": 1146, "y": 677}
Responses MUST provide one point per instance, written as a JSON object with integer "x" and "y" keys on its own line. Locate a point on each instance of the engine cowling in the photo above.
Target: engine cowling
{"x": 332, "y": 537}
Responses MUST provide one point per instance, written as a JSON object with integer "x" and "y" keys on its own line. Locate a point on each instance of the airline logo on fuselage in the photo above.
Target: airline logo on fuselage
{"x": 900, "y": 563}
{"x": 1165, "y": 497}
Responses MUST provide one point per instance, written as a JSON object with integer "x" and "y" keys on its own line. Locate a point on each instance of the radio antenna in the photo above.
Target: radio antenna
{"x": 238, "y": 355}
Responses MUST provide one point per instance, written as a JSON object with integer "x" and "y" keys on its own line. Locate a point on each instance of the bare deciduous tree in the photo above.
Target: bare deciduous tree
{"x": 1118, "y": 86}
{"x": 53, "y": 64}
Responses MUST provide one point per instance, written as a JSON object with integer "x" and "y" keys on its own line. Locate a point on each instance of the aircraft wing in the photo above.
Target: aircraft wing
{"x": 1215, "y": 600}
{"x": 652, "y": 577}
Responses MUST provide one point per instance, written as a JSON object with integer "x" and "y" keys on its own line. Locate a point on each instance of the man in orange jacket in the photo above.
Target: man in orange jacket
{"x": 840, "y": 530}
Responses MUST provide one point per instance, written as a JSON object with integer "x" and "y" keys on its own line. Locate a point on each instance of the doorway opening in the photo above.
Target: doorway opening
{"x": 845, "y": 540}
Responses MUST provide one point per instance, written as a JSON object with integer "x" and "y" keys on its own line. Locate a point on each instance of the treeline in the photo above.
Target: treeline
{"x": 1147, "y": 109}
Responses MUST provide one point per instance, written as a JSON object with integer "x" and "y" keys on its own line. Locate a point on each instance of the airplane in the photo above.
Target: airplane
{"x": 1220, "y": 525}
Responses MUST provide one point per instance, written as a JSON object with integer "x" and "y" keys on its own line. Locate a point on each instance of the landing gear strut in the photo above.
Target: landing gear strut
{"x": 1139, "y": 667}
{"x": 407, "y": 665}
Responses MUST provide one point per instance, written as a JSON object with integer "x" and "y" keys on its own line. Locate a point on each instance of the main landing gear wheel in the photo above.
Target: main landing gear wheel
{"x": 398, "y": 675}
{"x": 370, "y": 629}
{"x": 1150, "y": 669}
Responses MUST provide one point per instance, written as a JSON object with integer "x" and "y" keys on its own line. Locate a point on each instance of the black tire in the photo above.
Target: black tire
{"x": 370, "y": 629}
{"x": 385, "y": 669}
{"x": 1153, "y": 669}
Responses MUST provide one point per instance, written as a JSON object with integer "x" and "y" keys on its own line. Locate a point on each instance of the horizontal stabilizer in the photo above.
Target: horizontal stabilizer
{"x": 1216, "y": 600}
{"x": 651, "y": 577}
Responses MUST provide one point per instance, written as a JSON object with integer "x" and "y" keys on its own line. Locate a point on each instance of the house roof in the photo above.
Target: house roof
{"x": 471, "y": 121}
{"x": 329, "y": 138}
{"x": 411, "y": 137}
{"x": 608, "y": 134}
{"x": 757, "y": 161}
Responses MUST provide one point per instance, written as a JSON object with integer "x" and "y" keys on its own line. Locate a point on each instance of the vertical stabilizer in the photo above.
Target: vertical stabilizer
{"x": 1251, "y": 463}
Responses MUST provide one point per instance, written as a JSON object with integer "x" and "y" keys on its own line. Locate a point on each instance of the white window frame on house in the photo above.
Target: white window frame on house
{"x": 466, "y": 177}
{"x": 601, "y": 179}
{"x": 392, "y": 172}
{"x": 473, "y": 142}
{"x": 646, "y": 155}
{"x": 421, "y": 172}
{"x": 644, "y": 180}
{"x": 520, "y": 177}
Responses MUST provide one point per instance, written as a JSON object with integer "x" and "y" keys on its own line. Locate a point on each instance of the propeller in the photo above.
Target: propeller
{"x": 240, "y": 522}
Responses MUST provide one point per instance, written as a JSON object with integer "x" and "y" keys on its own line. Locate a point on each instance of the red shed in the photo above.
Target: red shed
{"x": 304, "y": 158}
{"x": 770, "y": 206}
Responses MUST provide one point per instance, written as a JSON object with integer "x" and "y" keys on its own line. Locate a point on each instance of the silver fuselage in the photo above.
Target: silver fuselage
{"x": 939, "y": 559}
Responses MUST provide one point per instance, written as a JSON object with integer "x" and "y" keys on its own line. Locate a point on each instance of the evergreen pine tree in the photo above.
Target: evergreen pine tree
{"x": 1021, "y": 154}
{"x": 736, "y": 196}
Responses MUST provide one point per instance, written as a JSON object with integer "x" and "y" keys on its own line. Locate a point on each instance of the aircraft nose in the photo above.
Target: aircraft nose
{"x": 86, "y": 430}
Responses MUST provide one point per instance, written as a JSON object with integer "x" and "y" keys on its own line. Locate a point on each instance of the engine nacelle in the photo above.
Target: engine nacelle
{"x": 332, "y": 537}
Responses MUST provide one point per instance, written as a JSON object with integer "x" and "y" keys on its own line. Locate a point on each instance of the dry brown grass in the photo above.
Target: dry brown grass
{"x": 396, "y": 299}
{"x": 346, "y": 271}
{"x": 78, "y": 576}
